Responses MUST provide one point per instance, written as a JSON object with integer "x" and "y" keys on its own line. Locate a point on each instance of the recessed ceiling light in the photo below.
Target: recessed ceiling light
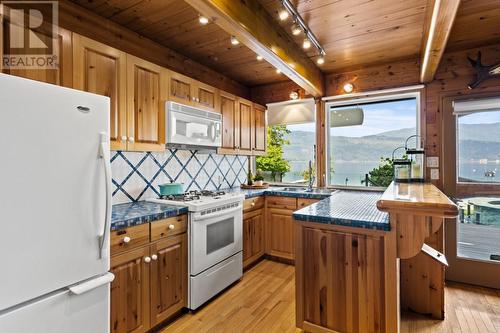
{"x": 234, "y": 40}
{"x": 296, "y": 30}
{"x": 348, "y": 87}
{"x": 320, "y": 60}
{"x": 259, "y": 58}
{"x": 278, "y": 71}
{"x": 306, "y": 44}
{"x": 283, "y": 14}
{"x": 203, "y": 20}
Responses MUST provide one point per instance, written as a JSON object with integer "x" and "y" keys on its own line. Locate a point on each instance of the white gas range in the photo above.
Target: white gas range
{"x": 215, "y": 241}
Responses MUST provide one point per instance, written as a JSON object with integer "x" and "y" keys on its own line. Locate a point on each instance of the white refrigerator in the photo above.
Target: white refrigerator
{"x": 55, "y": 209}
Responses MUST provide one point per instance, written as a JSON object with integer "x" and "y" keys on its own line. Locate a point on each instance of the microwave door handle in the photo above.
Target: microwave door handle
{"x": 213, "y": 133}
{"x": 221, "y": 213}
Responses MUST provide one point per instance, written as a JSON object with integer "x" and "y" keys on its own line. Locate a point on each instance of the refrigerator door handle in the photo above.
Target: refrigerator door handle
{"x": 104, "y": 154}
{"x": 83, "y": 287}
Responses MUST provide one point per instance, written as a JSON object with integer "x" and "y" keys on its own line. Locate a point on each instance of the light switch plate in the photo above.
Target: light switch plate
{"x": 433, "y": 162}
{"x": 434, "y": 174}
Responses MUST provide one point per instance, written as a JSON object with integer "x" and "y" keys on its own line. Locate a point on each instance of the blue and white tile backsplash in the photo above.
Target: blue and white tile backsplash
{"x": 136, "y": 176}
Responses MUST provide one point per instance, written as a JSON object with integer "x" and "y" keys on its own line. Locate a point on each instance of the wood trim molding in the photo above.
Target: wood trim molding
{"x": 254, "y": 27}
{"x": 87, "y": 23}
{"x": 440, "y": 17}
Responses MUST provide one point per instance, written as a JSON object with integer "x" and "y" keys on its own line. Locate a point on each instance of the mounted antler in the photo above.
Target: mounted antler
{"x": 483, "y": 73}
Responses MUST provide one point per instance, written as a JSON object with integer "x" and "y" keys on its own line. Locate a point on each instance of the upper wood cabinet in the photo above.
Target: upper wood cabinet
{"x": 185, "y": 90}
{"x": 245, "y": 116}
{"x": 230, "y": 119}
{"x": 102, "y": 70}
{"x": 146, "y": 95}
{"x": 259, "y": 129}
{"x": 62, "y": 76}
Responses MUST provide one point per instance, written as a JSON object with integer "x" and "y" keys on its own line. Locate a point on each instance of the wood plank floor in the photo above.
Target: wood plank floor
{"x": 264, "y": 301}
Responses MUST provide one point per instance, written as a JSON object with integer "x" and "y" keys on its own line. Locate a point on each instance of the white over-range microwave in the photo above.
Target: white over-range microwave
{"x": 190, "y": 127}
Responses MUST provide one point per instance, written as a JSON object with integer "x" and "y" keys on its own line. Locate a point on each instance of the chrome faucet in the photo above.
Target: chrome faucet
{"x": 311, "y": 178}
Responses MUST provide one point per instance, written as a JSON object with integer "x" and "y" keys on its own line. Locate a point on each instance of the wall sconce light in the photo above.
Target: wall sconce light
{"x": 294, "y": 95}
{"x": 348, "y": 88}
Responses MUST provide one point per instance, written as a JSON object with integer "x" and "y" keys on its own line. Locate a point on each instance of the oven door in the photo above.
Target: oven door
{"x": 196, "y": 128}
{"x": 214, "y": 237}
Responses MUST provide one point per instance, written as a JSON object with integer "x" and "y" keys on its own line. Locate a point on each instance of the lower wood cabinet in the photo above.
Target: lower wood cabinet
{"x": 150, "y": 280}
{"x": 253, "y": 236}
{"x": 280, "y": 233}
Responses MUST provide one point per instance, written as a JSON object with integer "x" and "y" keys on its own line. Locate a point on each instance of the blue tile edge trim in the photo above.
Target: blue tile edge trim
{"x": 146, "y": 218}
{"x": 383, "y": 226}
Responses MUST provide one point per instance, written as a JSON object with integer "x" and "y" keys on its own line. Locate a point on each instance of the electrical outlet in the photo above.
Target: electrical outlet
{"x": 434, "y": 174}
{"x": 433, "y": 162}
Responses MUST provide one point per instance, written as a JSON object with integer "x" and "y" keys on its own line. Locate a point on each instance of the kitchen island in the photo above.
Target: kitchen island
{"x": 349, "y": 254}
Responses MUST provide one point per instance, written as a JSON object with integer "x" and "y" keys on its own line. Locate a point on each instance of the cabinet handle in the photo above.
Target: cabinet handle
{"x": 126, "y": 239}
{"x": 131, "y": 139}
{"x": 154, "y": 257}
{"x": 124, "y": 138}
{"x": 147, "y": 260}
{"x": 171, "y": 227}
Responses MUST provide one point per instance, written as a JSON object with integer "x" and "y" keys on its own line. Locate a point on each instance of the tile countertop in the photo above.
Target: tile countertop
{"x": 347, "y": 208}
{"x": 278, "y": 191}
{"x": 135, "y": 213}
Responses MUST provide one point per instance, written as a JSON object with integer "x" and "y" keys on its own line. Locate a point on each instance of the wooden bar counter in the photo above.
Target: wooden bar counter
{"x": 357, "y": 266}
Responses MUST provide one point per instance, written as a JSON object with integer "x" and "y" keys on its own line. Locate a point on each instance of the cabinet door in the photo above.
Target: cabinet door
{"x": 253, "y": 236}
{"x": 100, "y": 69}
{"x": 259, "y": 130}
{"x": 228, "y": 109}
{"x": 206, "y": 97}
{"x": 245, "y": 127}
{"x": 168, "y": 277}
{"x": 62, "y": 76}
{"x": 247, "y": 237}
{"x": 146, "y": 96}
{"x": 258, "y": 234}
{"x": 280, "y": 233}
{"x": 130, "y": 292}
{"x": 181, "y": 89}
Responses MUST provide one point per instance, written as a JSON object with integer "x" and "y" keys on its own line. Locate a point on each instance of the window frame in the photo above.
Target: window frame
{"x": 366, "y": 98}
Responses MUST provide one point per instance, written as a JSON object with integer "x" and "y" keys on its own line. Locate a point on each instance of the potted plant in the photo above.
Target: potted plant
{"x": 259, "y": 178}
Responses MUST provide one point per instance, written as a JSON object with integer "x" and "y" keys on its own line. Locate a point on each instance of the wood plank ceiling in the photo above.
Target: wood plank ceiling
{"x": 354, "y": 33}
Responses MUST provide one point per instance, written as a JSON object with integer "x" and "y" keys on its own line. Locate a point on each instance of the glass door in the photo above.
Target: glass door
{"x": 471, "y": 175}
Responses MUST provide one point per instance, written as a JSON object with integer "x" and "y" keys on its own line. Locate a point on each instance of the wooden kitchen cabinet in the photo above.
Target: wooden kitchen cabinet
{"x": 187, "y": 91}
{"x": 130, "y": 303}
{"x": 230, "y": 119}
{"x": 102, "y": 70}
{"x": 259, "y": 129}
{"x": 206, "y": 97}
{"x": 146, "y": 96}
{"x": 169, "y": 277}
{"x": 280, "y": 233}
{"x": 244, "y": 110}
{"x": 181, "y": 88}
{"x": 61, "y": 76}
{"x": 253, "y": 236}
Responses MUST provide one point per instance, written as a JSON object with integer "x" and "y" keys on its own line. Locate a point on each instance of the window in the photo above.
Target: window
{"x": 362, "y": 134}
{"x": 291, "y": 142}
{"x": 478, "y": 146}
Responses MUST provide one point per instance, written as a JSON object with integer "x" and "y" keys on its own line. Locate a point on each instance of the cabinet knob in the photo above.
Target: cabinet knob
{"x": 131, "y": 139}
{"x": 126, "y": 239}
{"x": 124, "y": 138}
{"x": 154, "y": 257}
{"x": 252, "y": 204}
{"x": 171, "y": 227}
{"x": 147, "y": 259}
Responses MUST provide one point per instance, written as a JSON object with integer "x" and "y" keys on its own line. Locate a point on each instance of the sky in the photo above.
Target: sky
{"x": 378, "y": 118}
{"x": 481, "y": 118}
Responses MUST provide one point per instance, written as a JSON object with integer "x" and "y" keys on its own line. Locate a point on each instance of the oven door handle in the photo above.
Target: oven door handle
{"x": 200, "y": 217}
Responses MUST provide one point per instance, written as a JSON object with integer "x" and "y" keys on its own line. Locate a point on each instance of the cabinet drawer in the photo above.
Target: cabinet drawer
{"x": 302, "y": 202}
{"x": 168, "y": 227}
{"x": 253, "y": 203}
{"x": 282, "y": 202}
{"x": 129, "y": 238}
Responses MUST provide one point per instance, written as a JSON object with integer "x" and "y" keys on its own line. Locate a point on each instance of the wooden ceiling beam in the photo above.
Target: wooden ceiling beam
{"x": 253, "y": 26}
{"x": 439, "y": 21}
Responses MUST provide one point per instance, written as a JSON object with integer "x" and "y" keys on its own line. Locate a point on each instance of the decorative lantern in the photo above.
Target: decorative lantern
{"x": 417, "y": 159}
{"x": 402, "y": 168}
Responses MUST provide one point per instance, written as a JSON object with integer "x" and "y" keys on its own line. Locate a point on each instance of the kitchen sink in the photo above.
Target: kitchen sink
{"x": 304, "y": 189}
{"x": 295, "y": 189}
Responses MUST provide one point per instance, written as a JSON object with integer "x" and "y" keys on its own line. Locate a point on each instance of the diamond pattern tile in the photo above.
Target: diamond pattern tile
{"x": 136, "y": 176}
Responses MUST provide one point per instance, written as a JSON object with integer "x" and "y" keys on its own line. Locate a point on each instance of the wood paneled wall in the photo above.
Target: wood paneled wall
{"x": 453, "y": 76}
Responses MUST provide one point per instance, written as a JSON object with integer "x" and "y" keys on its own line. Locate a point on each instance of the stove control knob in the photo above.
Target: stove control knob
{"x": 147, "y": 259}
{"x": 126, "y": 239}
{"x": 171, "y": 227}
{"x": 154, "y": 257}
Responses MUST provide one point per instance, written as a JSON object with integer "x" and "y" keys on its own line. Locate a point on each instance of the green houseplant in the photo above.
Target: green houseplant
{"x": 259, "y": 178}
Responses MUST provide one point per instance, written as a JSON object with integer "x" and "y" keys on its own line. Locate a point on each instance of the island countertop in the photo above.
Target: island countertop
{"x": 417, "y": 197}
{"x": 347, "y": 208}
